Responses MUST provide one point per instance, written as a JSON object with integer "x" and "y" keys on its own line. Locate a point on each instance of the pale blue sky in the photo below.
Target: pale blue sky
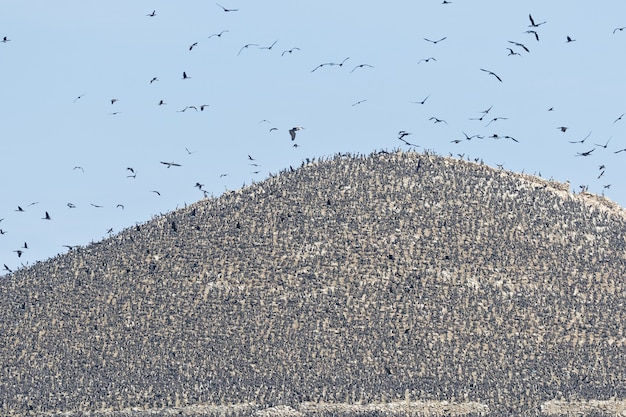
{"x": 60, "y": 50}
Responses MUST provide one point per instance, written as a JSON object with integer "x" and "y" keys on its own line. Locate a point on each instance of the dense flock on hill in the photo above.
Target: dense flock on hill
{"x": 352, "y": 280}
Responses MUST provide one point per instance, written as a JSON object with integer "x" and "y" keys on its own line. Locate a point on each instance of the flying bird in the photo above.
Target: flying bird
{"x": 359, "y": 102}
{"x": 6, "y": 268}
{"x": 293, "y": 131}
{"x": 587, "y": 153}
{"x": 563, "y": 128}
{"x": 202, "y": 106}
{"x": 534, "y": 32}
{"x": 114, "y": 100}
{"x": 193, "y": 45}
{"x": 421, "y": 102}
{"x": 219, "y": 35}
{"x": 437, "y": 120}
{"x": 426, "y": 60}
{"x": 171, "y": 164}
{"x": 581, "y": 141}
{"x": 46, "y": 217}
{"x": 521, "y": 45}
{"x": 5, "y": 40}
{"x": 361, "y": 66}
{"x": 79, "y": 97}
{"x": 152, "y": 14}
{"x": 156, "y": 192}
{"x": 153, "y": 80}
{"x": 511, "y": 52}
{"x": 569, "y": 39}
{"x": 162, "y": 103}
{"x": 225, "y": 9}
{"x": 495, "y": 119}
{"x": 619, "y": 118}
{"x": 492, "y": 73}
{"x": 605, "y": 145}
{"x": 290, "y": 51}
{"x": 437, "y": 41}
{"x": 614, "y": 30}
{"x": 185, "y": 76}
{"x": 532, "y": 22}
{"x": 269, "y": 47}
{"x": 246, "y": 46}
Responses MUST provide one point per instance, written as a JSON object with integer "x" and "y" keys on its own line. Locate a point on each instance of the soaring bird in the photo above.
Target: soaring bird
{"x": 587, "y": 153}
{"x": 269, "y": 47}
{"x": 290, "y": 50}
{"x": 193, "y": 45}
{"x": 171, "y": 164}
{"x": 219, "y": 35}
{"x": 153, "y": 80}
{"x": 534, "y": 32}
{"x": 437, "y": 41}
{"x": 152, "y": 14}
{"x": 225, "y": 9}
{"x": 293, "y": 131}
{"x": 46, "y": 217}
{"x": 421, "y": 102}
{"x": 492, "y": 73}
{"x": 114, "y": 100}
{"x": 614, "y": 30}
{"x": 185, "y": 76}
{"x": 619, "y": 118}
{"x": 563, "y": 128}
{"x": 521, "y": 45}
{"x": 569, "y": 39}
{"x": 5, "y": 40}
{"x": 246, "y": 46}
{"x": 532, "y": 22}
{"x": 426, "y": 60}
{"x": 511, "y": 52}
{"x": 361, "y": 66}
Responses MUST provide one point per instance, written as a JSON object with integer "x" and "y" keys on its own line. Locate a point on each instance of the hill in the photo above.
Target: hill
{"x": 394, "y": 283}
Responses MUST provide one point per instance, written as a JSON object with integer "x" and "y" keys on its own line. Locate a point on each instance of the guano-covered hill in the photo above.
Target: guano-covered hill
{"x": 394, "y": 283}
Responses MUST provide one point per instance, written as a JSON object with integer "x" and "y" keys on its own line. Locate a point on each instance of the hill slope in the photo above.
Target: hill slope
{"x": 357, "y": 280}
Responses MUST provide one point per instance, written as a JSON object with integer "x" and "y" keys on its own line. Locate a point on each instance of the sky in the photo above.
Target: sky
{"x": 66, "y": 148}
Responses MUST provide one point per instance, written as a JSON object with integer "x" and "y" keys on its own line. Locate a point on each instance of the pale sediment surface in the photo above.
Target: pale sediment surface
{"x": 347, "y": 286}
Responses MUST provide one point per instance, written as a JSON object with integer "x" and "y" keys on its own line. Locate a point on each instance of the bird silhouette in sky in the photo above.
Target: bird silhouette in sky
{"x": 219, "y": 35}
{"x": 227, "y": 10}
{"x": 492, "y": 73}
{"x": 532, "y": 22}
{"x": 290, "y": 51}
{"x": 569, "y": 39}
{"x": 521, "y": 45}
{"x": 46, "y": 217}
{"x": 361, "y": 66}
{"x": 421, "y": 102}
{"x": 269, "y": 47}
{"x": 426, "y": 60}
{"x": 293, "y": 131}
{"x": 437, "y": 41}
{"x": 171, "y": 164}
{"x": 185, "y": 76}
{"x": 246, "y": 46}
{"x": 152, "y": 14}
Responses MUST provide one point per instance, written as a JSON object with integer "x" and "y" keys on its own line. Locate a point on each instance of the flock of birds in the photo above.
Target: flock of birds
{"x": 484, "y": 119}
